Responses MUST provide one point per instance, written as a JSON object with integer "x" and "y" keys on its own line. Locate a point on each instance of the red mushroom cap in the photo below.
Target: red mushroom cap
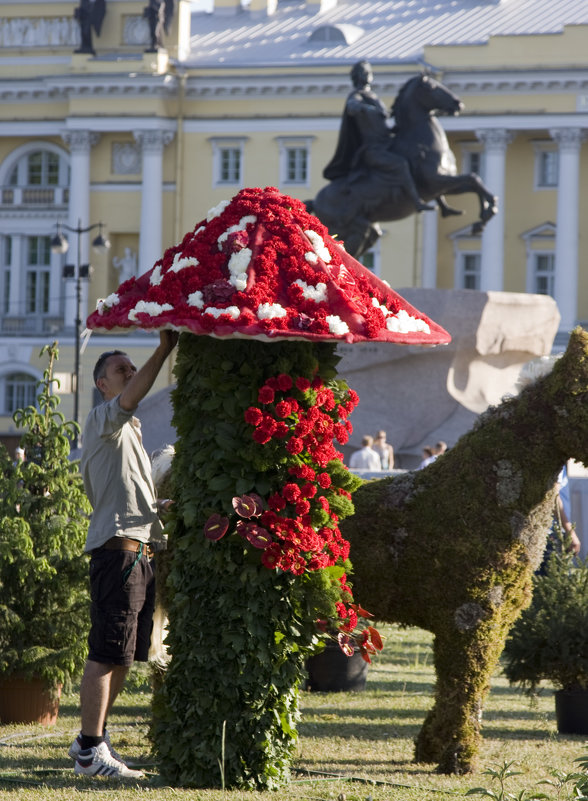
{"x": 262, "y": 266}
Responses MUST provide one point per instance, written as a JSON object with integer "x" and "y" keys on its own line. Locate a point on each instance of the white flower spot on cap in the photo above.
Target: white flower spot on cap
{"x": 156, "y": 276}
{"x": 107, "y": 303}
{"x": 404, "y": 323}
{"x": 180, "y": 262}
{"x": 311, "y": 257}
{"x": 265, "y": 311}
{"x": 239, "y": 261}
{"x": 318, "y": 245}
{"x": 337, "y": 325}
{"x": 231, "y": 311}
{"x": 151, "y": 308}
{"x": 317, "y": 293}
{"x": 216, "y": 211}
{"x": 196, "y": 299}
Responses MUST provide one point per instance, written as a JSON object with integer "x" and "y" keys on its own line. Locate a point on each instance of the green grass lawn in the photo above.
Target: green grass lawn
{"x": 352, "y": 745}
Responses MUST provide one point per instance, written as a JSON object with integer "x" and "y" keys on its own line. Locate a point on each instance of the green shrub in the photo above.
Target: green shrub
{"x": 44, "y": 599}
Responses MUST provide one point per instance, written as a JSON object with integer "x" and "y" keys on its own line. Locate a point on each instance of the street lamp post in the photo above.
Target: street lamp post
{"x": 59, "y": 244}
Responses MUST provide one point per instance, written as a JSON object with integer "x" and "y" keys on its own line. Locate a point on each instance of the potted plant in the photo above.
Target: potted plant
{"x": 550, "y": 640}
{"x": 44, "y": 599}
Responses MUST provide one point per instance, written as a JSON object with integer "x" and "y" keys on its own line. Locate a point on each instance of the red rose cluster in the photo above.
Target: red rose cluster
{"x": 298, "y": 531}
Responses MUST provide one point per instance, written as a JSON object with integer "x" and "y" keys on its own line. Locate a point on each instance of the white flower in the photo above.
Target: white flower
{"x": 337, "y": 326}
{"x": 103, "y": 304}
{"x": 232, "y": 311}
{"x": 151, "y": 308}
{"x": 240, "y": 226}
{"x": 384, "y": 309}
{"x": 196, "y": 299}
{"x": 318, "y": 245}
{"x": 403, "y": 323}
{"x": 317, "y": 293}
{"x": 216, "y": 211}
{"x": 311, "y": 257}
{"x": 197, "y": 231}
{"x": 265, "y": 311}
{"x": 180, "y": 262}
{"x": 239, "y": 281}
{"x": 156, "y": 276}
{"x": 239, "y": 261}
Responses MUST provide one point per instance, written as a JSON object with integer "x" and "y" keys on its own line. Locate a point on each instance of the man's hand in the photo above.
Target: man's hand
{"x": 168, "y": 340}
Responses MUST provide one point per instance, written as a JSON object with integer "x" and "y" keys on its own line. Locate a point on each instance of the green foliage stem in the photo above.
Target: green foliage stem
{"x": 239, "y": 633}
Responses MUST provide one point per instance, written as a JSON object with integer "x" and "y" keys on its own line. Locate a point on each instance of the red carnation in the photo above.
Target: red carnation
{"x": 308, "y": 490}
{"x": 283, "y": 408}
{"x": 284, "y": 382}
{"x": 302, "y": 384}
{"x": 324, "y": 480}
{"x": 265, "y": 395}
{"x": 253, "y": 416}
{"x": 291, "y": 492}
{"x": 276, "y": 502}
{"x": 294, "y": 445}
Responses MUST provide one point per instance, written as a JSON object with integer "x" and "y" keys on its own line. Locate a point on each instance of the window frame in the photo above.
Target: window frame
{"x": 220, "y": 146}
{"x": 286, "y": 145}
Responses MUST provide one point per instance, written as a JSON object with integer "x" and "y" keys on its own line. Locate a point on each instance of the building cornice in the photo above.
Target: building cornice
{"x": 256, "y": 83}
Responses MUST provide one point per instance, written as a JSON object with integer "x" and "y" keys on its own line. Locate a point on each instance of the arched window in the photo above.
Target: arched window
{"x": 20, "y": 390}
{"x": 40, "y": 174}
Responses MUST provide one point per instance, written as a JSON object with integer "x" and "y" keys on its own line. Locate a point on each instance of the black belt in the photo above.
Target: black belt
{"x": 125, "y": 544}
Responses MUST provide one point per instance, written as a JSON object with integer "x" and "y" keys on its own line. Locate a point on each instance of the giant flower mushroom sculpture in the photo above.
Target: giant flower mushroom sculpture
{"x": 262, "y": 295}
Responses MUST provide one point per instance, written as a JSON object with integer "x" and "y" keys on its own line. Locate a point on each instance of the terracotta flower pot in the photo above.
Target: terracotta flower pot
{"x": 571, "y": 711}
{"x": 28, "y": 701}
{"x": 332, "y": 671}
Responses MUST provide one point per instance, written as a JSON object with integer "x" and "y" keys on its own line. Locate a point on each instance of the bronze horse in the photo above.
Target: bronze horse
{"x": 351, "y": 206}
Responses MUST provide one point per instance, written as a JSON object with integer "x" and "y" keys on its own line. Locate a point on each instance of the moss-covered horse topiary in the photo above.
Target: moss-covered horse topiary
{"x": 452, "y": 548}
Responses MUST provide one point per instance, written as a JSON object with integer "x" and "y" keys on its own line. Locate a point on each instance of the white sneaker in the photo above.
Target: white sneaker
{"x": 98, "y": 761}
{"x": 76, "y": 747}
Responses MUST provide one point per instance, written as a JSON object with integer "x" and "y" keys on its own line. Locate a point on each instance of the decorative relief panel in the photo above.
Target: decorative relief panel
{"x": 39, "y": 32}
{"x": 126, "y": 158}
{"x": 136, "y": 31}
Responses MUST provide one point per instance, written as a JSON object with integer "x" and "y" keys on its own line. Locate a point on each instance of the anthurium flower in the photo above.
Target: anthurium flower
{"x": 246, "y": 506}
{"x": 345, "y": 644}
{"x": 216, "y": 527}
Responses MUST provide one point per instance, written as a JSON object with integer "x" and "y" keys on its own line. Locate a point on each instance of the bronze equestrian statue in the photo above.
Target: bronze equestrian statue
{"x": 379, "y": 173}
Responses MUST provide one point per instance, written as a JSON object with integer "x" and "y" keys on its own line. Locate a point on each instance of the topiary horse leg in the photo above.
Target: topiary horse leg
{"x": 464, "y": 661}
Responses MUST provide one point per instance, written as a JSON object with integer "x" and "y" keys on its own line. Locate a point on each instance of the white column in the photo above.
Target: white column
{"x": 16, "y": 305}
{"x": 567, "y": 229}
{"x": 150, "y": 238}
{"x": 430, "y": 233}
{"x": 495, "y": 142}
{"x": 80, "y": 144}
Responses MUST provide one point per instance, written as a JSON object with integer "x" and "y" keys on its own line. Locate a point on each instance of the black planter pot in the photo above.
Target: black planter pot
{"x": 571, "y": 711}
{"x": 332, "y": 672}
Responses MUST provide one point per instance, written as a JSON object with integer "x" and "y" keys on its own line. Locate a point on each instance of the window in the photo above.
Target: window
{"x": 19, "y": 391}
{"x": 294, "y": 159}
{"x": 38, "y": 275}
{"x": 470, "y": 270}
{"x": 227, "y": 160}
{"x": 230, "y": 165}
{"x": 5, "y": 262}
{"x": 296, "y": 165}
{"x": 546, "y": 168}
{"x": 544, "y": 273}
{"x": 43, "y": 169}
{"x": 473, "y": 159}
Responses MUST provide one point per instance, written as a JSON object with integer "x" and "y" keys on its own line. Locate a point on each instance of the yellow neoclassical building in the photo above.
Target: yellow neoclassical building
{"x": 112, "y": 126}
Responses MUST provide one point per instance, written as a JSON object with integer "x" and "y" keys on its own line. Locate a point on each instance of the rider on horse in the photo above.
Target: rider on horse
{"x": 365, "y": 138}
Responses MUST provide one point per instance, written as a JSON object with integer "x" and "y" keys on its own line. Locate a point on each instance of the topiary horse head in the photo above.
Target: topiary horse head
{"x": 452, "y": 548}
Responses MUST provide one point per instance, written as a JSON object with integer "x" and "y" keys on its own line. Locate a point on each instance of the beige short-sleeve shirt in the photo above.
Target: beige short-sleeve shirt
{"x": 117, "y": 477}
